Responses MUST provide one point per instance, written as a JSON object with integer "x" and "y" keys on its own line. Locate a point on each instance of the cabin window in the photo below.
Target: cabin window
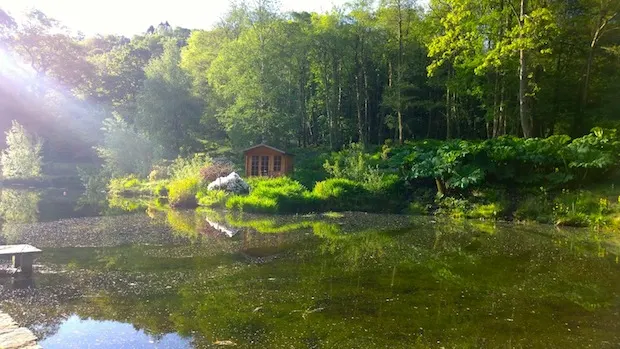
{"x": 264, "y": 165}
{"x": 277, "y": 163}
{"x": 254, "y": 167}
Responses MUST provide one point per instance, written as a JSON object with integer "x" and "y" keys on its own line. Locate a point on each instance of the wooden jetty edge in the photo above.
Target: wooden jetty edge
{"x": 22, "y": 256}
{"x": 14, "y": 337}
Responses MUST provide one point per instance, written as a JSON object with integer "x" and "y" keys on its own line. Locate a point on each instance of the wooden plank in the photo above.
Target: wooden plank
{"x": 9, "y": 250}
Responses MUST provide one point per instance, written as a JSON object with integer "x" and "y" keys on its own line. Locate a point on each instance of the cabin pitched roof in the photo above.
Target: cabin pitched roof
{"x": 266, "y": 146}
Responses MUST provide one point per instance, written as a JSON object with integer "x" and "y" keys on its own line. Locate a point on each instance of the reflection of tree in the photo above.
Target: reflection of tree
{"x": 19, "y": 206}
{"x": 353, "y": 250}
{"x": 16, "y": 207}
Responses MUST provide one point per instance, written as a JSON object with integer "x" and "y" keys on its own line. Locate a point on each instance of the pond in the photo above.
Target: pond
{"x": 157, "y": 278}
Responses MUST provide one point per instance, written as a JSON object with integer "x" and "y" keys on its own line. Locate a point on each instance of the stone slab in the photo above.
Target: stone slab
{"x": 14, "y": 337}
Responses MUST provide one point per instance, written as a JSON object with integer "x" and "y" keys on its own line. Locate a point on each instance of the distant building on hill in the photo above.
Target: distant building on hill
{"x": 267, "y": 161}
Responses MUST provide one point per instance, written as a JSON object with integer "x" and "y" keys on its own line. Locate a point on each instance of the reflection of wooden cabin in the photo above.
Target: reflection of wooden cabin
{"x": 263, "y": 160}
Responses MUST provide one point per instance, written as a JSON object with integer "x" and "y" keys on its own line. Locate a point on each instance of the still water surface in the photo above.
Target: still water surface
{"x": 170, "y": 279}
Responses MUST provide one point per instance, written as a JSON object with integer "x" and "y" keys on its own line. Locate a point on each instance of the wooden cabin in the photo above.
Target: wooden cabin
{"x": 266, "y": 161}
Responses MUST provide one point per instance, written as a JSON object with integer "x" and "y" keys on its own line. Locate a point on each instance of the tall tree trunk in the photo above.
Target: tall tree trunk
{"x": 358, "y": 107}
{"x": 358, "y": 99}
{"x": 339, "y": 106}
{"x": 496, "y": 117}
{"x": 448, "y": 111}
{"x": 526, "y": 123}
{"x": 366, "y": 105}
{"x": 328, "y": 111}
{"x": 302, "y": 107}
{"x": 602, "y": 22}
{"x": 502, "y": 112}
{"x": 400, "y": 72}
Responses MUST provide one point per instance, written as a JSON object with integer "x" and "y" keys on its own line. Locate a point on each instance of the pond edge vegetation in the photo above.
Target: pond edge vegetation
{"x": 555, "y": 180}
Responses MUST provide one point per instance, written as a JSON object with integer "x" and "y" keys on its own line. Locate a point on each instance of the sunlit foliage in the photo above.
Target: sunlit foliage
{"x": 22, "y": 157}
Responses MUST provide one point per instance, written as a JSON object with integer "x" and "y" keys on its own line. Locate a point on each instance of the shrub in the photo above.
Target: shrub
{"x": 212, "y": 172}
{"x": 160, "y": 190}
{"x": 309, "y": 166}
{"x": 232, "y": 183}
{"x": 341, "y": 194}
{"x": 253, "y": 204}
{"x": 289, "y": 195}
{"x": 453, "y": 207}
{"x": 125, "y": 186}
{"x": 212, "y": 198}
{"x": 188, "y": 167}
{"x": 159, "y": 173}
{"x": 351, "y": 163}
{"x": 580, "y": 209}
{"x": 488, "y": 203}
{"x": 534, "y": 208}
{"x": 182, "y": 192}
{"x": 418, "y": 208}
{"x": 552, "y": 162}
{"x": 271, "y": 195}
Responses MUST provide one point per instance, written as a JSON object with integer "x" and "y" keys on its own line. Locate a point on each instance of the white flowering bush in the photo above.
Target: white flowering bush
{"x": 232, "y": 183}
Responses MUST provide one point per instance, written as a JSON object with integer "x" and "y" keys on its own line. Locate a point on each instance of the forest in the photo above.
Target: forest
{"x": 384, "y": 98}
{"x": 367, "y": 72}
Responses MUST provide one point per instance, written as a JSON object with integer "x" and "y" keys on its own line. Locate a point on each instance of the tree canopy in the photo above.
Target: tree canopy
{"x": 367, "y": 72}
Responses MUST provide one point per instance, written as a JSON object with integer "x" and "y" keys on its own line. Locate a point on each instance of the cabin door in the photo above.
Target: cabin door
{"x": 264, "y": 166}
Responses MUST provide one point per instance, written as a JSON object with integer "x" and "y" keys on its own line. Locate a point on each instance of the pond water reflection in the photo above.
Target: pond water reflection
{"x": 77, "y": 333}
{"x": 345, "y": 281}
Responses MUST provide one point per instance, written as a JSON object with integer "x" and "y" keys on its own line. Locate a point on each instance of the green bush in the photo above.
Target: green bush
{"x": 418, "y": 208}
{"x": 552, "y": 162}
{"x": 212, "y": 198}
{"x": 452, "y": 207}
{"x": 581, "y": 209}
{"x": 352, "y": 163}
{"x": 252, "y": 204}
{"x": 289, "y": 195}
{"x": 338, "y": 194}
{"x": 534, "y": 208}
{"x": 309, "y": 166}
{"x": 160, "y": 190}
{"x": 126, "y": 186}
{"x": 188, "y": 167}
{"x": 274, "y": 195}
{"x": 159, "y": 173}
{"x": 182, "y": 192}
{"x": 488, "y": 203}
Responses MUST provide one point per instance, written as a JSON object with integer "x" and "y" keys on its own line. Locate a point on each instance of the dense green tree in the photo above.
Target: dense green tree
{"x": 167, "y": 111}
{"x": 125, "y": 150}
{"x": 22, "y": 157}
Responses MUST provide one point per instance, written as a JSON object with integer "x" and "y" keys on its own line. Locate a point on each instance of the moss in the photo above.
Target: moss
{"x": 333, "y": 215}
